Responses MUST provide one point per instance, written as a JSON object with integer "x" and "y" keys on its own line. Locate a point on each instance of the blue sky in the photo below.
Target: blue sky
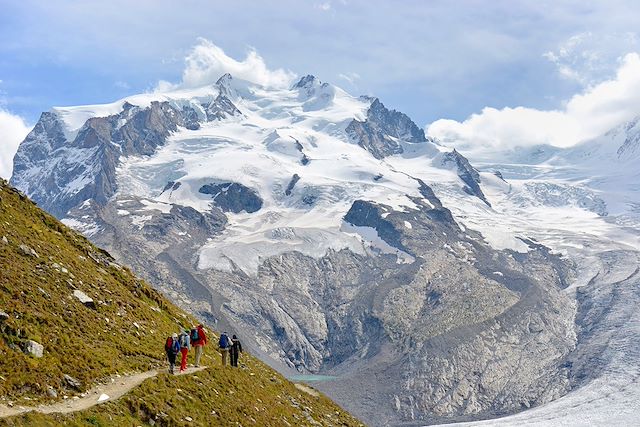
{"x": 430, "y": 59}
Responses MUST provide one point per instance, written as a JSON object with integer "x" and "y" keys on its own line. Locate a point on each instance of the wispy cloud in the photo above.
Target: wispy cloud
{"x": 119, "y": 84}
{"x": 350, "y": 77}
{"x": 325, "y": 6}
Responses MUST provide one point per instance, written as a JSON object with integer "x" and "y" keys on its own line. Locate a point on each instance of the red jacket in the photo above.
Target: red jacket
{"x": 202, "y": 337}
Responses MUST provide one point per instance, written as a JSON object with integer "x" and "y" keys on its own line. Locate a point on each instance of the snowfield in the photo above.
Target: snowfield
{"x": 263, "y": 150}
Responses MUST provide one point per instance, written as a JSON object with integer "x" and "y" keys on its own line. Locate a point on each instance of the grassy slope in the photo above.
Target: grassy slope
{"x": 125, "y": 333}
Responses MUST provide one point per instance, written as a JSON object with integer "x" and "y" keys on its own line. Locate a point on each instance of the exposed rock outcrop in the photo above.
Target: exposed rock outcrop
{"x": 221, "y": 108}
{"x": 292, "y": 183}
{"x": 467, "y": 173}
{"x": 233, "y": 197}
{"x": 382, "y": 131}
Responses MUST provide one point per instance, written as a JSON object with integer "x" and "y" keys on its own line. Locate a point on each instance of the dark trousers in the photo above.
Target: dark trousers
{"x": 234, "y": 356}
{"x": 172, "y": 361}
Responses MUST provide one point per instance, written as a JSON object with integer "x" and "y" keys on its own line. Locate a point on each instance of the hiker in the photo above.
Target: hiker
{"x": 224, "y": 344}
{"x": 172, "y": 348}
{"x": 236, "y": 349}
{"x": 198, "y": 341}
{"x": 185, "y": 346}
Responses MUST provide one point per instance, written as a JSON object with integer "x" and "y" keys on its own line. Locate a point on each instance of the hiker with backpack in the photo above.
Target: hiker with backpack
{"x": 172, "y": 348}
{"x": 224, "y": 344}
{"x": 198, "y": 341}
{"x": 185, "y": 346}
{"x": 236, "y": 349}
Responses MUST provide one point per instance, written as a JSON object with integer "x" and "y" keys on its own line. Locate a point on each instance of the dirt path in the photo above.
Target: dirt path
{"x": 97, "y": 395}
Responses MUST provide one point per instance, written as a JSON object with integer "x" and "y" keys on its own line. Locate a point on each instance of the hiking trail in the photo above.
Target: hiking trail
{"x": 114, "y": 390}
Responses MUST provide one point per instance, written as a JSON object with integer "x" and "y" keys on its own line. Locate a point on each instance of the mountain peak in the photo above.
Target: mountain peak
{"x": 305, "y": 82}
{"x": 224, "y": 83}
{"x": 224, "y": 80}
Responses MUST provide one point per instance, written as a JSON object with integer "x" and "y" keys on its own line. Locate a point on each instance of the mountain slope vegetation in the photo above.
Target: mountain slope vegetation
{"x": 55, "y": 344}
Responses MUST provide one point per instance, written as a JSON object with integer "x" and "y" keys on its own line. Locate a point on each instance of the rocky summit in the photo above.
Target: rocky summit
{"x": 331, "y": 233}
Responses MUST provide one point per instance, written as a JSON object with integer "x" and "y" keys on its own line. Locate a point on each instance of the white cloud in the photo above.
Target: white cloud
{"x": 207, "y": 62}
{"x": 586, "y": 115}
{"x": 323, "y": 6}
{"x": 119, "y": 84}
{"x": 13, "y": 130}
{"x": 587, "y": 58}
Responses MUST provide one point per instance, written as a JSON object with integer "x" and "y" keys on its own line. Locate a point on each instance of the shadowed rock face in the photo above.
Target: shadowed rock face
{"x": 233, "y": 197}
{"x": 380, "y": 133}
{"x": 305, "y": 82}
{"x": 60, "y": 174}
{"x": 221, "y": 108}
{"x": 184, "y": 218}
{"x": 467, "y": 173}
{"x": 292, "y": 183}
{"x": 368, "y": 214}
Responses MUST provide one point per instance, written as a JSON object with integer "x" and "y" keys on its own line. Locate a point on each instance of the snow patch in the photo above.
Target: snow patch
{"x": 370, "y": 237}
{"x": 159, "y": 206}
{"x": 140, "y": 220}
{"x": 88, "y": 228}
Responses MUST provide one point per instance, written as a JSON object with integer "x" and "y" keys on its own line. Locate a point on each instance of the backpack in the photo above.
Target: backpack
{"x": 169, "y": 345}
{"x": 183, "y": 340}
{"x": 224, "y": 341}
{"x": 195, "y": 336}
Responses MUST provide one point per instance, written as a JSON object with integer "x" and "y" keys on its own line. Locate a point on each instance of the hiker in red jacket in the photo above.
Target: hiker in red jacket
{"x": 198, "y": 341}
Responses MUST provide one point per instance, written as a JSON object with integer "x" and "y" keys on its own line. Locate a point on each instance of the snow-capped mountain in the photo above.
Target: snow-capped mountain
{"x": 583, "y": 202}
{"x": 335, "y": 237}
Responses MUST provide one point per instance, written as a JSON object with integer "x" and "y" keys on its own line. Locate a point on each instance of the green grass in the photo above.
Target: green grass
{"x": 124, "y": 333}
{"x": 253, "y": 395}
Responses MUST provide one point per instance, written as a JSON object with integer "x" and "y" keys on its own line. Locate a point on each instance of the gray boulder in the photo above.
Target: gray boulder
{"x": 52, "y": 393}
{"x": 72, "y": 382}
{"x": 28, "y": 251}
{"x": 34, "y": 348}
{"x": 85, "y": 299}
